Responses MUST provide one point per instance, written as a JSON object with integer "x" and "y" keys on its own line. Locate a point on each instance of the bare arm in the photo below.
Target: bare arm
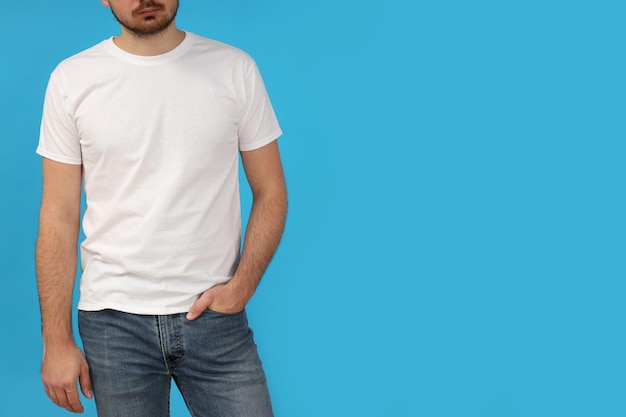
{"x": 63, "y": 363}
{"x": 265, "y": 227}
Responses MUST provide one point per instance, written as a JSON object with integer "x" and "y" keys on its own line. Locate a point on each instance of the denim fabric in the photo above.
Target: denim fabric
{"x": 213, "y": 360}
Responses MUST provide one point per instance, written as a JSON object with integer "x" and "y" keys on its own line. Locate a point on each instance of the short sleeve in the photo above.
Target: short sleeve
{"x": 258, "y": 125}
{"x": 58, "y": 139}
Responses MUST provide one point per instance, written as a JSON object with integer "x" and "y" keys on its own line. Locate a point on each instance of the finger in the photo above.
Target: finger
{"x": 69, "y": 399}
{"x": 200, "y": 305}
{"x": 85, "y": 381}
{"x": 50, "y": 393}
{"x": 73, "y": 400}
{"x": 61, "y": 398}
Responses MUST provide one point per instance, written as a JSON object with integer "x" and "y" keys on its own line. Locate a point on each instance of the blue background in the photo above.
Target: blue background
{"x": 456, "y": 237}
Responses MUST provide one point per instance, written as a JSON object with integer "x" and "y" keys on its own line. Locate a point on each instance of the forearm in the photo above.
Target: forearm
{"x": 265, "y": 228}
{"x": 56, "y": 261}
{"x": 263, "y": 233}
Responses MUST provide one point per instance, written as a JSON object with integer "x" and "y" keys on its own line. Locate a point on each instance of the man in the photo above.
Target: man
{"x": 153, "y": 122}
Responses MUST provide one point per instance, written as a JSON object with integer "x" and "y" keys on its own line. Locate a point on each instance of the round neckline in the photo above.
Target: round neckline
{"x": 151, "y": 60}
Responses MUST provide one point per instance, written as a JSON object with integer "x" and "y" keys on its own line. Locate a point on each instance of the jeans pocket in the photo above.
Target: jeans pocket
{"x": 219, "y": 313}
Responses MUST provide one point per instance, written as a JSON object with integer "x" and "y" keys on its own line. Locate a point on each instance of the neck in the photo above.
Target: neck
{"x": 150, "y": 45}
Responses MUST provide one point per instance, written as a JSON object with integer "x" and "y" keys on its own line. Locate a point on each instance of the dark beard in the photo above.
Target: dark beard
{"x": 147, "y": 30}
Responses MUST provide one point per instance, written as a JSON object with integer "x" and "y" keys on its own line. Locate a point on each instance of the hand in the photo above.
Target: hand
{"x": 61, "y": 367}
{"x": 225, "y": 298}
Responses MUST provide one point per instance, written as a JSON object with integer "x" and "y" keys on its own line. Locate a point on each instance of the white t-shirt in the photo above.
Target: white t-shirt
{"x": 158, "y": 138}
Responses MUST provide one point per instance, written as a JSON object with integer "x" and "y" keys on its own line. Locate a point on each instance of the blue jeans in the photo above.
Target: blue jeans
{"x": 213, "y": 360}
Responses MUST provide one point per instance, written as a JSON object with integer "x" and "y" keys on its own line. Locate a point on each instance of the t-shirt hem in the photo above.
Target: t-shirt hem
{"x": 134, "y": 310}
{"x": 260, "y": 143}
{"x": 59, "y": 158}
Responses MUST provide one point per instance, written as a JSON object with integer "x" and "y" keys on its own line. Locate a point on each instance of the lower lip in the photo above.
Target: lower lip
{"x": 149, "y": 13}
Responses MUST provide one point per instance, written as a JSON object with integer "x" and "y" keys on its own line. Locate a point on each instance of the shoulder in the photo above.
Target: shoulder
{"x": 220, "y": 52}
{"x": 85, "y": 57}
{"x": 79, "y": 65}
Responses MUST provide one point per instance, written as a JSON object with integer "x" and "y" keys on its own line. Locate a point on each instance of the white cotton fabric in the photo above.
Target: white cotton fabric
{"x": 158, "y": 138}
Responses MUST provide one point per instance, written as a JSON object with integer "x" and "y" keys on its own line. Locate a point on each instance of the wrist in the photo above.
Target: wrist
{"x": 58, "y": 340}
{"x": 241, "y": 287}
